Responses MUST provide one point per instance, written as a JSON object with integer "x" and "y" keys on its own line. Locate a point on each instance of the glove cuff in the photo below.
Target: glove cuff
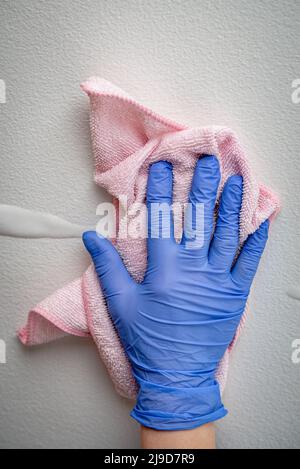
{"x": 169, "y": 408}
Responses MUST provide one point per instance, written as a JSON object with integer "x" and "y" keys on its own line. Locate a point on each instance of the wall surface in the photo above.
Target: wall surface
{"x": 200, "y": 62}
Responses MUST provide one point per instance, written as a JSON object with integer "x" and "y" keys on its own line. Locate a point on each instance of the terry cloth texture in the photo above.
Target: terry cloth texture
{"x": 127, "y": 137}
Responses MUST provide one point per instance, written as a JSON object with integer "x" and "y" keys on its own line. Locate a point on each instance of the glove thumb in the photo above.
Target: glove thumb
{"x": 113, "y": 275}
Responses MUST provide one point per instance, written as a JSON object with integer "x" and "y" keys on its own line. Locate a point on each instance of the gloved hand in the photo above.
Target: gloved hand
{"x": 176, "y": 325}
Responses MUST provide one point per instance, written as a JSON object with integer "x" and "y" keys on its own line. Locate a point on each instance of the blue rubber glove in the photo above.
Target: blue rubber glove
{"x": 176, "y": 325}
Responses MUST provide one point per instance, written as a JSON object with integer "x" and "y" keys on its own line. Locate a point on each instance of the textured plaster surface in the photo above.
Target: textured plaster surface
{"x": 199, "y": 62}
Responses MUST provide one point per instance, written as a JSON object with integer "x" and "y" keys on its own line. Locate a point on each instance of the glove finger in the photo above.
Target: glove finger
{"x": 159, "y": 201}
{"x": 246, "y": 265}
{"x": 199, "y": 216}
{"x": 226, "y": 236}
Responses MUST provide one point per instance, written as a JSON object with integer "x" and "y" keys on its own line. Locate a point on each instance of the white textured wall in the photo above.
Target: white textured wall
{"x": 200, "y": 62}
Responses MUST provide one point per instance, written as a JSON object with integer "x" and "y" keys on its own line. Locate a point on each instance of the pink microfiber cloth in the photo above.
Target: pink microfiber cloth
{"x": 126, "y": 138}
